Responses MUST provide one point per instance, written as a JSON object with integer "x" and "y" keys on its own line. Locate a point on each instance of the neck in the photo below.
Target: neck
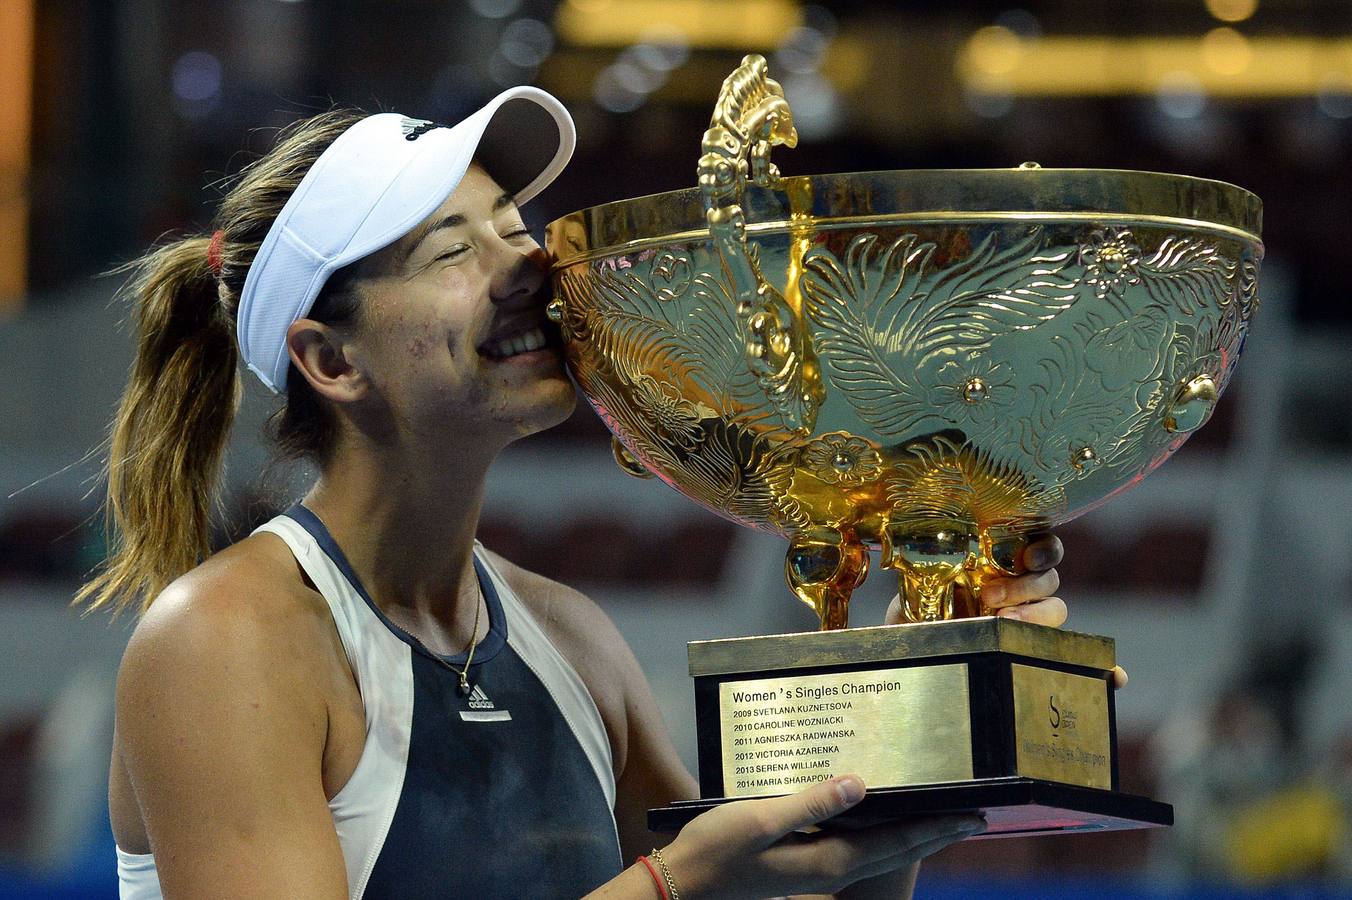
{"x": 406, "y": 524}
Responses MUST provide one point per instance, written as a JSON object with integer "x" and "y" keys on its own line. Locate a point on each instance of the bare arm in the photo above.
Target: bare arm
{"x": 744, "y": 849}
{"x": 223, "y": 738}
{"x": 653, "y": 774}
{"x": 741, "y": 850}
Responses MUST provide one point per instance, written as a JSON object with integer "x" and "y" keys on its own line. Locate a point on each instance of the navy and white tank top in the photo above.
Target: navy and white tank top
{"x": 455, "y": 796}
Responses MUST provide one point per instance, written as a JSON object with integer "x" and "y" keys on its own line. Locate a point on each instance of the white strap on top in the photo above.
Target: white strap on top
{"x": 382, "y": 665}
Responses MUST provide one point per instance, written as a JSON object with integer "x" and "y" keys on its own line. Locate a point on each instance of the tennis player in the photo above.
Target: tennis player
{"x": 359, "y": 699}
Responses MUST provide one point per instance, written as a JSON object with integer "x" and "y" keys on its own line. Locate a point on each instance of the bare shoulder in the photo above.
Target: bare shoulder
{"x": 241, "y": 626}
{"x": 573, "y": 621}
{"x": 248, "y": 596}
{"x": 648, "y": 770}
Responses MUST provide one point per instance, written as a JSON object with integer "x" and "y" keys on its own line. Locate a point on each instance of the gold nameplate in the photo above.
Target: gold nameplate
{"x": 892, "y": 727}
{"x": 1061, "y": 727}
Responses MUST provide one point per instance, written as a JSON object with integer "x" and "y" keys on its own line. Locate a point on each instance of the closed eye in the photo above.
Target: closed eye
{"x": 453, "y": 252}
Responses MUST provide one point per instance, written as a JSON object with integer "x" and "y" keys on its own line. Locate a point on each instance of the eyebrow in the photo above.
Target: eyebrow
{"x": 504, "y": 200}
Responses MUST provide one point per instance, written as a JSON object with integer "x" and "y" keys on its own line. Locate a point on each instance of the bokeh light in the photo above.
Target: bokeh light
{"x": 495, "y": 9}
{"x": 995, "y": 50}
{"x": 1232, "y": 10}
{"x": 1335, "y": 97}
{"x": 527, "y": 42}
{"x": 196, "y": 76}
{"x": 1226, "y": 51}
{"x": 1181, "y": 96}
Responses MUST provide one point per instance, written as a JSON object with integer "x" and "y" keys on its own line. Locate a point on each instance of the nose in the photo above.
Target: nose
{"x": 519, "y": 270}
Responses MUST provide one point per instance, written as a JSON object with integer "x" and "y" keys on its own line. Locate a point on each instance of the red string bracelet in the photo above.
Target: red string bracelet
{"x": 657, "y": 879}
{"x": 214, "y": 258}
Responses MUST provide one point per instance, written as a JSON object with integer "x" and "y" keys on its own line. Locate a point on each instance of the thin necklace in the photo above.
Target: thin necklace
{"x": 479, "y": 604}
{"x": 463, "y": 674}
{"x": 463, "y": 688}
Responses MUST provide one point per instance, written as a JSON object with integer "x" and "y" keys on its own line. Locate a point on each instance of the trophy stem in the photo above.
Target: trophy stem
{"x": 926, "y": 596}
{"x": 823, "y": 567}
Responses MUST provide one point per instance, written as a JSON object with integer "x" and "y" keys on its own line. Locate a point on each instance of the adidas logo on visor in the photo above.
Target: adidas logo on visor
{"x": 416, "y": 128}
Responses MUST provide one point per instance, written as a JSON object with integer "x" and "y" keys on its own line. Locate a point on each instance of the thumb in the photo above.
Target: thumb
{"x": 815, "y": 804}
{"x": 893, "y": 616}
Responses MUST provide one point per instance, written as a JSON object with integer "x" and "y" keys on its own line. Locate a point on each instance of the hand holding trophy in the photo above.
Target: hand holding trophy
{"x": 937, "y": 365}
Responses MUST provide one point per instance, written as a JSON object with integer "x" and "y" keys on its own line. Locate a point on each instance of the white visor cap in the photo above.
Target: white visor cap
{"x": 379, "y": 179}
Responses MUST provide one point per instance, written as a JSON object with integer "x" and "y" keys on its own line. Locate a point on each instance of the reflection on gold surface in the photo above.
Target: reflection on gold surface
{"x": 933, "y": 364}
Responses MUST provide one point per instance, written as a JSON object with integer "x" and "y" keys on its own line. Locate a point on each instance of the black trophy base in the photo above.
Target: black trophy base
{"x": 1013, "y": 807}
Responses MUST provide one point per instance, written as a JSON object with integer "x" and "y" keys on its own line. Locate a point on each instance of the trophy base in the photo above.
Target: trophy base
{"x": 1013, "y": 807}
{"x": 989, "y": 714}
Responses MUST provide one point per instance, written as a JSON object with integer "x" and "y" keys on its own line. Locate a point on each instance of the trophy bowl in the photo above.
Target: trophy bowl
{"x": 932, "y": 364}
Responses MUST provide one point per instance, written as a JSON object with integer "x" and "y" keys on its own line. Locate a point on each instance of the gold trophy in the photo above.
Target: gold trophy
{"x": 932, "y": 364}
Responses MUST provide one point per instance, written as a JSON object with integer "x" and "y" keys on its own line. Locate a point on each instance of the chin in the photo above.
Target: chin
{"x": 548, "y": 414}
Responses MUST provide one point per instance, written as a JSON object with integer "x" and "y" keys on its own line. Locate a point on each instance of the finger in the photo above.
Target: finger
{"x": 913, "y": 855}
{"x": 1001, "y": 592}
{"x": 839, "y": 856}
{"x": 1042, "y": 553}
{"x": 782, "y": 815}
{"x": 1119, "y": 678}
{"x": 1047, "y": 611}
{"x": 893, "y": 616}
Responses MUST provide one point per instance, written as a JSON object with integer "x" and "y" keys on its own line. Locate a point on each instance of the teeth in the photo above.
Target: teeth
{"x": 521, "y": 343}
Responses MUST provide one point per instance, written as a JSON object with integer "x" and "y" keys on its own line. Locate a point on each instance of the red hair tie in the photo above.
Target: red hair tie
{"x": 214, "y": 258}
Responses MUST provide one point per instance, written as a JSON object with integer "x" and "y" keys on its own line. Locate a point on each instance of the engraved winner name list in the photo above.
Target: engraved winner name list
{"x": 782, "y": 734}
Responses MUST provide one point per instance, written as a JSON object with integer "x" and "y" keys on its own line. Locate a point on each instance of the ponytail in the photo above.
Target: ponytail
{"x": 170, "y": 430}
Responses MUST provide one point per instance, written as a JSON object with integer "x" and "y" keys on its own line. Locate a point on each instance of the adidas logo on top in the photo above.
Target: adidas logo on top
{"x": 415, "y": 128}
{"x": 479, "y": 700}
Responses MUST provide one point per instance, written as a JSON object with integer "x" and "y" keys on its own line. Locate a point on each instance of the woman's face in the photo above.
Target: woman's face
{"x": 452, "y": 331}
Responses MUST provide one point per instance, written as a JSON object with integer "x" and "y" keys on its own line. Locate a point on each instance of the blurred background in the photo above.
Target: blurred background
{"x": 1226, "y": 578}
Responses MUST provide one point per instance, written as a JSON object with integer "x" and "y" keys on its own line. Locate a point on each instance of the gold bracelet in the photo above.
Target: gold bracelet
{"x": 666, "y": 874}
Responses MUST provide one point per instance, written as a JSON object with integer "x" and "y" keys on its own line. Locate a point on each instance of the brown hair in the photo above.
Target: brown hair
{"x": 170, "y": 431}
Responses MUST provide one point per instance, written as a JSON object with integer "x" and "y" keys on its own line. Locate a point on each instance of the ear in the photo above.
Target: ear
{"x": 320, "y": 355}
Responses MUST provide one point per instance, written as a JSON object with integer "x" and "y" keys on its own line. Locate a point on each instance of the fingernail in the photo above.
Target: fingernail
{"x": 993, "y": 593}
{"x": 850, "y": 789}
{"x": 1040, "y": 559}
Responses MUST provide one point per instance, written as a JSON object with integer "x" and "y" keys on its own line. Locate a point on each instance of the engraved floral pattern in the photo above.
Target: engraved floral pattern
{"x": 670, "y": 275}
{"x": 669, "y": 414}
{"x": 1125, "y": 350}
{"x": 842, "y": 458}
{"x": 998, "y": 344}
{"x": 973, "y": 391}
{"x": 1111, "y": 258}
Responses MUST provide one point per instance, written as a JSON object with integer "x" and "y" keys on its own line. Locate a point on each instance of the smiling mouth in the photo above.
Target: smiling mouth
{"x": 522, "y": 342}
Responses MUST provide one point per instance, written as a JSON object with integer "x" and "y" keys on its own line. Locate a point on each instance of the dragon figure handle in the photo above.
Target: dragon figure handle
{"x": 750, "y": 117}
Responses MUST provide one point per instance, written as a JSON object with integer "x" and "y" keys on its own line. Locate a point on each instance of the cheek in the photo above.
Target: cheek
{"x": 446, "y": 321}
{"x": 420, "y": 345}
